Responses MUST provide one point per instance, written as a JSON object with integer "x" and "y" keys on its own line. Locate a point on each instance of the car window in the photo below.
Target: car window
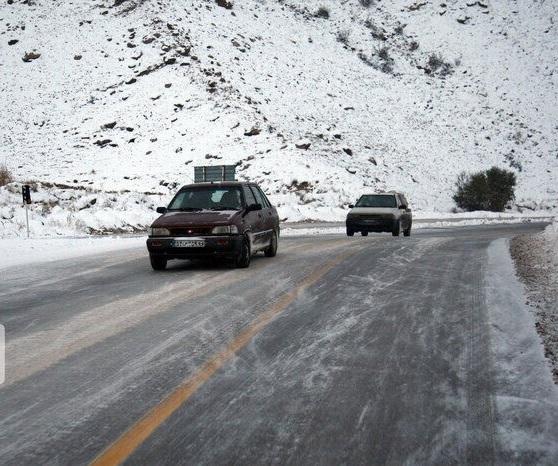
{"x": 264, "y": 197}
{"x": 250, "y": 199}
{"x": 258, "y": 195}
{"x": 377, "y": 200}
{"x": 207, "y": 198}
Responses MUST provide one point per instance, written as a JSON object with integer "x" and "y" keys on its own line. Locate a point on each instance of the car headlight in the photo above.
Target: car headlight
{"x": 158, "y": 232}
{"x": 224, "y": 230}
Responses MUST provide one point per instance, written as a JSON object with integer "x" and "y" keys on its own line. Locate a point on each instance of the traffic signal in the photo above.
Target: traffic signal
{"x": 26, "y": 192}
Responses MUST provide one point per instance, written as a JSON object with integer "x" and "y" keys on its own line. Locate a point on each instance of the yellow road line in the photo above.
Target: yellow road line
{"x": 129, "y": 441}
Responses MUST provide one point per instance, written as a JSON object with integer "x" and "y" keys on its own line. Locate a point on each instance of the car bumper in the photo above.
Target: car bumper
{"x": 223, "y": 247}
{"x": 372, "y": 225}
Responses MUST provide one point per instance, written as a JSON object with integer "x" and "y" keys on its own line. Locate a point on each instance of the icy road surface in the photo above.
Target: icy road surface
{"x": 374, "y": 350}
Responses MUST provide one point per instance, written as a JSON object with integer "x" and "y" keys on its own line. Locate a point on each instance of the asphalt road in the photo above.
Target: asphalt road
{"x": 338, "y": 351}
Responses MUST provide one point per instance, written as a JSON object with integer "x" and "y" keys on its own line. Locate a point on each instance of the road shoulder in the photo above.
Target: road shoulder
{"x": 536, "y": 262}
{"x": 526, "y": 397}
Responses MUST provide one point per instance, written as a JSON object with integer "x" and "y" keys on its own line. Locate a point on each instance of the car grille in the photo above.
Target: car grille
{"x": 383, "y": 217}
{"x": 190, "y": 231}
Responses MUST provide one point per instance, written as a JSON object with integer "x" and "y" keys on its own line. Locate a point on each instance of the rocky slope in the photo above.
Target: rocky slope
{"x": 316, "y": 100}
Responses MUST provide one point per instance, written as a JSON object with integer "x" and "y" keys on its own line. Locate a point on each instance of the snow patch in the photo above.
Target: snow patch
{"x": 19, "y": 251}
{"x": 526, "y": 397}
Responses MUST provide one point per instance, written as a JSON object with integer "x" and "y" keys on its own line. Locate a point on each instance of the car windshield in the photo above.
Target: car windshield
{"x": 377, "y": 200}
{"x": 207, "y": 198}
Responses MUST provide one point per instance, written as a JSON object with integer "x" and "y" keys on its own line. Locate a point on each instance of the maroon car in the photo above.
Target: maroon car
{"x": 226, "y": 220}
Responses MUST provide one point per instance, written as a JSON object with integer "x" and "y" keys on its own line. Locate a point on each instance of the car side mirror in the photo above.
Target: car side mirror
{"x": 161, "y": 210}
{"x": 351, "y": 206}
{"x": 253, "y": 207}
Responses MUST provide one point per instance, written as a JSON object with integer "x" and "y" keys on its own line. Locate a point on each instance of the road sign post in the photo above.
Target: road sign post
{"x": 26, "y": 194}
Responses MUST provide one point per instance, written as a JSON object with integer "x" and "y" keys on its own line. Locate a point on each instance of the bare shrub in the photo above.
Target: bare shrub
{"x": 514, "y": 163}
{"x": 322, "y": 12}
{"x": 400, "y": 29}
{"x": 343, "y": 36}
{"x": 437, "y": 65}
{"x": 366, "y": 3}
{"x": 435, "y": 61}
{"x": 376, "y": 31}
{"x": 364, "y": 58}
{"x": 5, "y": 175}
{"x": 383, "y": 53}
{"x": 380, "y": 60}
{"x": 225, "y": 4}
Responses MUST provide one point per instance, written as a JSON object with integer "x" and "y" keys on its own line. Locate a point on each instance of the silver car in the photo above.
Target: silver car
{"x": 382, "y": 212}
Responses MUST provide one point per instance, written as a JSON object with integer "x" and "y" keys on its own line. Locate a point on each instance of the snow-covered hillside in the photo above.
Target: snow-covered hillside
{"x": 129, "y": 95}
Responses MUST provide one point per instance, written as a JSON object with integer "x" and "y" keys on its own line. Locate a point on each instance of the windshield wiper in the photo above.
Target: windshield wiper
{"x": 188, "y": 209}
{"x": 224, "y": 208}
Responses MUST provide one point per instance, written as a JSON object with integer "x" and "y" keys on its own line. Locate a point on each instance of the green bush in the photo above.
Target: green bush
{"x": 490, "y": 190}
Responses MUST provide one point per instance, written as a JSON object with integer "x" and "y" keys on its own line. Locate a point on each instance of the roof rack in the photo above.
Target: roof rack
{"x": 214, "y": 173}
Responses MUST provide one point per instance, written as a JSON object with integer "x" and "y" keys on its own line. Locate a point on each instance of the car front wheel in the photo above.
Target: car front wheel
{"x": 158, "y": 262}
{"x": 243, "y": 257}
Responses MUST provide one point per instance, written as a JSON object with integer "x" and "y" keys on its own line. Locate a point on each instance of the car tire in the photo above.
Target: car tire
{"x": 396, "y": 228}
{"x": 158, "y": 262}
{"x": 407, "y": 232}
{"x": 364, "y": 233}
{"x": 271, "y": 250}
{"x": 244, "y": 255}
{"x": 350, "y": 232}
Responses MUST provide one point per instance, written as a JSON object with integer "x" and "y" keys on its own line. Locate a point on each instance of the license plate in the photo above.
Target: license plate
{"x": 188, "y": 243}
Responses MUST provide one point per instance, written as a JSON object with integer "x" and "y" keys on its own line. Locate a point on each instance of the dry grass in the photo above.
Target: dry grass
{"x": 5, "y": 175}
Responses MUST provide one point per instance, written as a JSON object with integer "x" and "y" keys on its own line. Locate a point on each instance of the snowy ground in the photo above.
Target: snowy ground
{"x": 60, "y": 211}
{"x": 19, "y": 251}
{"x": 63, "y": 211}
{"x": 140, "y": 92}
{"x": 428, "y": 221}
{"x": 536, "y": 260}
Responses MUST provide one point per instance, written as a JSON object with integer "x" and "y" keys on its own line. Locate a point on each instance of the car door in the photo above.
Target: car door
{"x": 267, "y": 214}
{"x": 272, "y": 215}
{"x": 253, "y": 221}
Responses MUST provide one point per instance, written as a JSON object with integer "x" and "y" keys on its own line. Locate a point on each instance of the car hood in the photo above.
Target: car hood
{"x": 372, "y": 210}
{"x": 204, "y": 217}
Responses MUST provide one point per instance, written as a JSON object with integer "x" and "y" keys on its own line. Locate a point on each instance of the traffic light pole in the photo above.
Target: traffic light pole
{"x": 27, "y": 219}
